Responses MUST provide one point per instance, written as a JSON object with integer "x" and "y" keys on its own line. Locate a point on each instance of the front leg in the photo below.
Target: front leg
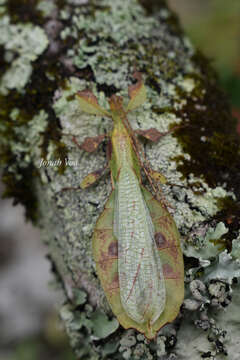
{"x": 155, "y": 178}
{"x": 90, "y": 144}
{"x": 154, "y": 135}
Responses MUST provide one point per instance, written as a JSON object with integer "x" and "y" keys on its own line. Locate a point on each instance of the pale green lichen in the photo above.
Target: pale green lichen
{"x": 219, "y": 272}
{"x": 30, "y": 138}
{"x": 46, "y": 7}
{"x": 102, "y": 326}
{"x": 97, "y": 325}
{"x": 220, "y": 293}
{"x": 109, "y": 348}
{"x": 110, "y": 41}
{"x": 28, "y": 42}
{"x": 223, "y": 268}
{"x": 203, "y": 246}
{"x": 115, "y": 22}
{"x": 79, "y": 296}
{"x": 127, "y": 341}
{"x": 220, "y": 338}
{"x": 188, "y": 84}
{"x": 32, "y": 133}
{"x": 66, "y": 313}
{"x": 236, "y": 248}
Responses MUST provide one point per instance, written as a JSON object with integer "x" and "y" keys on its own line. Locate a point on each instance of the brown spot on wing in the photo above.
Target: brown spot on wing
{"x": 166, "y": 223}
{"x": 169, "y": 273}
{"x": 106, "y": 264}
{"x": 167, "y": 243}
{"x": 161, "y": 240}
{"x": 113, "y": 248}
{"x": 167, "y": 270}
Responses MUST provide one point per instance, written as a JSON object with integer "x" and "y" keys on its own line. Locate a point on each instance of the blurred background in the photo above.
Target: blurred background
{"x": 29, "y": 325}
{"x": 214, "y": 28}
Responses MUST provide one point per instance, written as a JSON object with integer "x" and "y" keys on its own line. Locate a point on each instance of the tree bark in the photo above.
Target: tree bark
{"x": 51, "y": 50}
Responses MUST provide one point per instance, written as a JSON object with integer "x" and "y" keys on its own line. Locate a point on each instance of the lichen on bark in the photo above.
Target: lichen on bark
{"x": 97, "y": 44}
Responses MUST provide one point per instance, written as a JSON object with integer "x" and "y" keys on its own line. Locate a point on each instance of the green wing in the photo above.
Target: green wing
{"x": 105, "y": 252}
{"x": 168, "y": 242}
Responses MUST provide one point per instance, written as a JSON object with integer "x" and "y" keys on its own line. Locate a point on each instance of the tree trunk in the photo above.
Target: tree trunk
{"x": 49, "y": 51}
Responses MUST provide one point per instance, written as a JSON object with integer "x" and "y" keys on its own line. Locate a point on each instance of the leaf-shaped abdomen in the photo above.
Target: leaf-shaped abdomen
{"x": 141, "y": 280}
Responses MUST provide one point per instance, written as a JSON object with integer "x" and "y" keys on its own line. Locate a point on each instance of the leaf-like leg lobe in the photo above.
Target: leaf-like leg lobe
{"x": 90, "y": 144}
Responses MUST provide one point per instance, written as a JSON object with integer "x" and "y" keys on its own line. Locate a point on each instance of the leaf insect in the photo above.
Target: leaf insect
{"x": 136, "y": 244}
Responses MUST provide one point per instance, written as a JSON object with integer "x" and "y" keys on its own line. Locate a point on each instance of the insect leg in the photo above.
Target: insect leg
{"x": 93, "y": 177}
{"x": 90, "y": 144}
{"x": 154, "y": 135}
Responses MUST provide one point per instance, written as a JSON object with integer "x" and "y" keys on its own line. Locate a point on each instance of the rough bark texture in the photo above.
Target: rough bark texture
{"x": 49, "y": 51}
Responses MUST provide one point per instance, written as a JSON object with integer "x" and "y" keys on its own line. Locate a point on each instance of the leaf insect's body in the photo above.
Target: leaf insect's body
{"x": 136, "y": 243}
{"x": 141, "y": 281}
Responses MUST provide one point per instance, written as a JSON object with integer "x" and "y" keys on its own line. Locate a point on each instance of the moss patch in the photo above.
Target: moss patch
{"x": 23, "y": 11}
{"x": 209, "y": 138}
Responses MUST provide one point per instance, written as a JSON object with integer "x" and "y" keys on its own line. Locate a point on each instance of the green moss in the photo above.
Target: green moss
{"x": 4, "y": 66}
{"x": 151, "y": 5}
{"x": 37, "y": 96}
{"x": 209, "y": 139}
{"x": 24, "y": 11}
{"x": 22, "y": 190}
{"x": 229, "y": 213}
{"x": 39, "y": 91}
